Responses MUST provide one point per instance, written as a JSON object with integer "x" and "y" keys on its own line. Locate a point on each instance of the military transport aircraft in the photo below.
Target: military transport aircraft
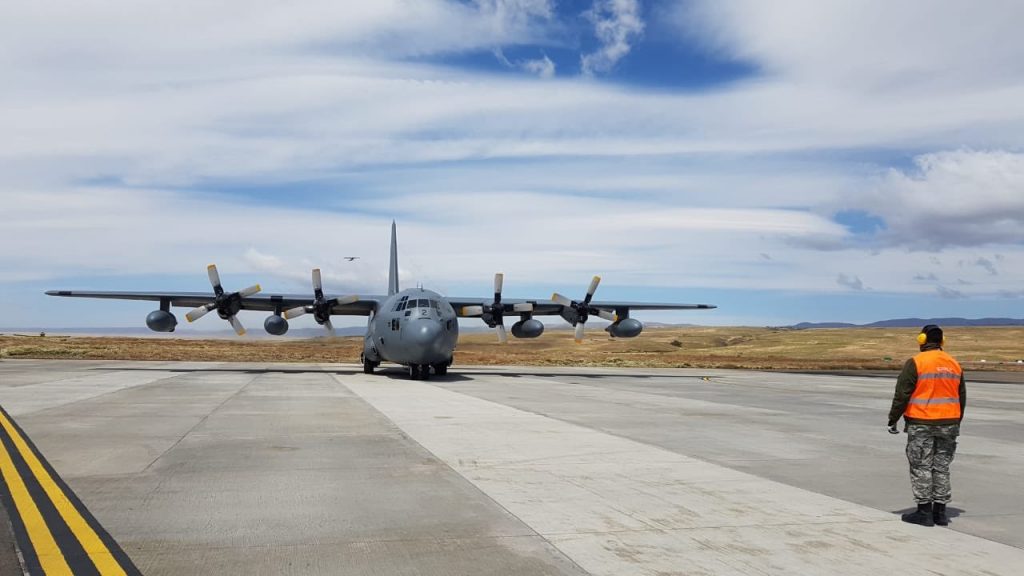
{"x": 416, "y": 327}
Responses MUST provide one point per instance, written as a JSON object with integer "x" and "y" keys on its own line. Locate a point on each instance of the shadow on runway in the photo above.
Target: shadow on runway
{"x": 401, "y": 373}
{"x": 987, "y": 377}
{"x": 394, "y": 373}
{"x": 593, "y": 375}
{"x": 398, "y": 372}
{"x": 238, "y": 370}
{"x": 950, "y": 511}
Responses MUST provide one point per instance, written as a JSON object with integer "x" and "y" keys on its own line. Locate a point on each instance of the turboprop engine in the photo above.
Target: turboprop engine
{"x": 528, "y": 328}
{"x": 161, "y": 321}
{"x": 275, "y": 325}
{"x": 625, "y": 328}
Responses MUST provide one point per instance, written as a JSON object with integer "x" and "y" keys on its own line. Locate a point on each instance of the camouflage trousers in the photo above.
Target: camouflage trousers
{"x": 930, "y": 451}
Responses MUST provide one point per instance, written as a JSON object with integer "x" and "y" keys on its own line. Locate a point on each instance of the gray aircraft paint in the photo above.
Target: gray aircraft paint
{"x": 412, "y": 334}
{"x": 421, "y": 336}
{"x": 393, "y": 269}
{"x": 405, "y": 332}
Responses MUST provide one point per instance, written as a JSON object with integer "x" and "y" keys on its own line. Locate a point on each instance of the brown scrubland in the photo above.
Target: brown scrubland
{"x": 978, "y": 348}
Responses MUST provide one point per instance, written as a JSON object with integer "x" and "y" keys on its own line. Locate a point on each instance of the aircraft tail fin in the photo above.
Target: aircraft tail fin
{"x": 393, "y": 272}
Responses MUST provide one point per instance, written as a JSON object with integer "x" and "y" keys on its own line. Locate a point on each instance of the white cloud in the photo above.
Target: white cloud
{"x": 958, "y": 198}
{"x": 949, "y": 293}
{"x": 85, "y": 231}
{"x": 987, "y": 265}
{"x": 551, "y": 181}
{"x": 161, "y": 35}
{"x": 851, "y": 282}
{"x": 542, "y": 67}
{"x": 617, "y": 24}
{"x": 866, "y": 45}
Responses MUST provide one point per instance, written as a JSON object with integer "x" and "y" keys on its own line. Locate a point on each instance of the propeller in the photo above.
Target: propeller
{"x": 581, "y": 311}
{"x": 493, "y": 314}
{"x": 321, "y": 308}
{"x": 226, "y": 304}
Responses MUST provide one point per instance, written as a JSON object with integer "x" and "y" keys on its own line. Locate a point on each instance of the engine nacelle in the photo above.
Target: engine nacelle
{"x": 161, "y": 321}
{"x": 528, "y": 328}
{"x": 626, "y": 328}
{"x": 275, "y": 325}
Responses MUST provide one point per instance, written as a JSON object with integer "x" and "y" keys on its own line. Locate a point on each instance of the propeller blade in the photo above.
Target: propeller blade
{"x": 249, "y": 291}
{"x": 502, "y": 335}
{"x": 561, "y": 299}
{"x": 345, "y": 300}
{"x": 198, "y": 313}
{"x": 239, "y": 329}
{"x": 295, "y": 312}
{"x": 593, "y": 288}
{"x": 211, "y": 271}
{"x": 609, "y": 316}
{"x": 499, "y": 279}
{"x": 472, "y": 310}
{"x": 523, "y": 307}
{"x": 579, "y": 332}
{"x": 317, "y": 282}
{"x": 329, "y": 326}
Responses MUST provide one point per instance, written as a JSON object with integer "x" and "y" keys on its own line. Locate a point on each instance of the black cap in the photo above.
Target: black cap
{"x": 932, "y": 333}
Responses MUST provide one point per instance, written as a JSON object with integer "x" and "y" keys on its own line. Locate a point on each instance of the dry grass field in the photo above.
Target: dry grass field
{"x": 698, "y": 347}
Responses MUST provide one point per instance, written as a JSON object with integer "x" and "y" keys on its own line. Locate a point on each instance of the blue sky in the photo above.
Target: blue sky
{"x": 789, "y": 161}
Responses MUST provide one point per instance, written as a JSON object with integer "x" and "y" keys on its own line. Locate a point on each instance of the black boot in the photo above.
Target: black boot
{"x": 939, "y": 514}
{"x": 922, "y": 516}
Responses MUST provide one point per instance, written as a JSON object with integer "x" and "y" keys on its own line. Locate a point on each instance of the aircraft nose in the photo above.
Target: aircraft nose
{"x": 424, "y": 333}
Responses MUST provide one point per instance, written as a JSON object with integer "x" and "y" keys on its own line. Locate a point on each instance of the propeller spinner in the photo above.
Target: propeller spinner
{"x": 581, "y": 311}
{"x": 321, "y": 308}
{"x": 493, "y": 314}
{"x": 227, "y": 305}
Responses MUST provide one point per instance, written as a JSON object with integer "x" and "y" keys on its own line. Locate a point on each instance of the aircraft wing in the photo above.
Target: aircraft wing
{"x": 266, "y": 302}
{"x": 548, "y": 307}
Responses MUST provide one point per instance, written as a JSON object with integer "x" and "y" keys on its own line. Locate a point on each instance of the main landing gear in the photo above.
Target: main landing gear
{"x": 422, "y": 371}
{"x": 368, "y": 365}
{"x": 416, "y": 371}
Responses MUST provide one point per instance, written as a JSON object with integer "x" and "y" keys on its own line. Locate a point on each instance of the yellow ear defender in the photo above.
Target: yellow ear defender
{"x": 922, "y": 338}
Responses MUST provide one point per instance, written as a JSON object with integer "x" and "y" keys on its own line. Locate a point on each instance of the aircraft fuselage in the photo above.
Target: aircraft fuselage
{"x": 416, "y": 328}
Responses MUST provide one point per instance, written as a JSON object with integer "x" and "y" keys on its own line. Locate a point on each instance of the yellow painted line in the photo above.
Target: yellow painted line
{"x": 91, "y": 543}
{"x": 51, "y": 559}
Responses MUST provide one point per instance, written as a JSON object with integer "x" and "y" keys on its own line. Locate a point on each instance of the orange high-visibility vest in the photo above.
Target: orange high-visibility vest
{"x": 937, "y": 395}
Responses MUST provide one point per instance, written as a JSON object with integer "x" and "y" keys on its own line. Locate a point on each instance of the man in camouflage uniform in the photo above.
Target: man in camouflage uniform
{"x": 931, "y": 396}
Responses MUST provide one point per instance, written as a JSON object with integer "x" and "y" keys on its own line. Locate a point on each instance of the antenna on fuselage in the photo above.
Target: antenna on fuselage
{"x": 393, "y": 272}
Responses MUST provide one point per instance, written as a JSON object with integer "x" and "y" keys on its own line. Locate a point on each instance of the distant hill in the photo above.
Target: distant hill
{"x": 915, "y": 323}
{"x": 257, "y": 332}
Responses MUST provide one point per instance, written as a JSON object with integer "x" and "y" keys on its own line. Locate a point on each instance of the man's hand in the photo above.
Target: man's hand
{"x": 892, "y": 429}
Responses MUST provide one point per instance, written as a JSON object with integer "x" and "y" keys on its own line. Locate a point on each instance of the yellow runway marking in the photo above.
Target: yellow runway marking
{"x": 98, "y": 552}
{"x": 50, "y": 556}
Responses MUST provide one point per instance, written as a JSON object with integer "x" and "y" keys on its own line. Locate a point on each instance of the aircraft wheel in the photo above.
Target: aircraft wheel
{"x": 440, "y": 369}
{"x": 368, "y": 366}
{"x": 415, "y": 373}
{"x": 424, "y": 371}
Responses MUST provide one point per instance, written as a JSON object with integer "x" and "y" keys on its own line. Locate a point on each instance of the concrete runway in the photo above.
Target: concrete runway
{"x": 200, "y": 468}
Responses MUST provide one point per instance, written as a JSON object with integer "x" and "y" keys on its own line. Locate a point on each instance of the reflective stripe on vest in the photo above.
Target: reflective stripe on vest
{"x": 937, "y": 394}
{"x": 934, "y": 400}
